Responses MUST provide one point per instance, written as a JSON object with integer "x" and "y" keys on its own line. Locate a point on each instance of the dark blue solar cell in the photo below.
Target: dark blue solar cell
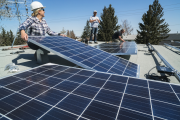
{"x": 48, "y": 45}
{"x": 11, "y": 102}
{"x": 67, "y": 86}
{"x": 19, "y": 85}
{"x": 116, "y": 71}
{"x": 8, "y": 80}
{"x": 4, "y": 93}
{"x": 64, "y": 48}
{"x": 72, "y": 70}
{"x": 38, "y": 70}
{"x": 86, "y": 91}
{"x": 56, "y": 114}
{"x": 130, "y": 73}
{"x": 116, "y": 78}
{"x": 67, "y": 54}
{"x": 164, "y": 96}
{"x": 120, "y": 65}
{"x": 136, "y": 103}
{"x": 78, "y": 78}
{"x": 25, "y": 74}
{"x": 77, "y": 58}
{"x": 37, "y": 78}
{"x": 52, "y": 96}
{"x": 138, "y": 82}
{"x": 160, "y": 86}
{"x": 100, "y": 111}
{"x": 176, "y": 88}
{"x": 139, "y": 91}
{"x": 82, "y": 119}
{"x": 57, "y": 49}
{"x": 125, "y": 114}
{"x": 108, "y": 63}
{"x": 60, "y": 68}
{"x": 88, "y": 63}
{"x": 155, "y": 118}
{"x": 95, "y": 82}
{"x": 83, "y": 56}
{"x": 105, "y": 66}
{"x": 86, "y": 73}
{"x": 30, "y": 111}
{"x": 63, "y": 75}
{"x": 74, "y": 52}
{"x": 109, "y": 97}
{"x": 166, "y": 111}
{"x": 50, "y": 72}
{"x": 74, "y": 104}
{"x": 99, "y": 68}
{"x": 34, "y": 90}
{"x": 97, "y": 58}
{"x": 115, "y": 86}
{"x": 3, "y": 118}
{"x": 93, "y": 60}
{"x": 51, "y": 81}
{"x": 101, "y": 76}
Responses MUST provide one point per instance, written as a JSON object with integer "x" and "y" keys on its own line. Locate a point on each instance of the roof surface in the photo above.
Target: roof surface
{"x": 145, "y": 59}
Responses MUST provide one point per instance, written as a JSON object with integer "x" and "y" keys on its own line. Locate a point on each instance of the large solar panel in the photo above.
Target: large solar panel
{"x": 86, "y": 56}
{"x": 119, "y": 48}
{"x": 53, "y": 92}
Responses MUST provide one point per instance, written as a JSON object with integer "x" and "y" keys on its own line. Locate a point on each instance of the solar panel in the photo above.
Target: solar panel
{"x": 119, "y": 48}
{"x": 86, "y": 56}
{"x": 69, "y": 93}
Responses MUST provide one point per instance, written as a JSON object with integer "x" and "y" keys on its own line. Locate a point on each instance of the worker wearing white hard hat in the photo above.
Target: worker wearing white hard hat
{"x": 94, "y": 20}
{"x": 36, "y": 25}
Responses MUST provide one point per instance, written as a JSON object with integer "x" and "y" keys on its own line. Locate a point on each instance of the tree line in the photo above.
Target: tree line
{"x": 69, "y": 33}
{"x": 7, "y": 37}
{"x": 153, "y": 28}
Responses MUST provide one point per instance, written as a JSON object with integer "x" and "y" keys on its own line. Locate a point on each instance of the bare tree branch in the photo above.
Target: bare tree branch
{"x": 127, "y": 27}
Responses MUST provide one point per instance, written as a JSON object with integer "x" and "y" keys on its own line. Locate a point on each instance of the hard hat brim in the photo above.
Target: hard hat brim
{"x": 38, "y": 8}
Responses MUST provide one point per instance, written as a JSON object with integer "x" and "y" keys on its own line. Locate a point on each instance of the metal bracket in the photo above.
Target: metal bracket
{"x": 42, "y": 56}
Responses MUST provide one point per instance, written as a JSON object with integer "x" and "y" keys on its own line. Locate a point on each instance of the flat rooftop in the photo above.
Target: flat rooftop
{"x": 147, "y": 61}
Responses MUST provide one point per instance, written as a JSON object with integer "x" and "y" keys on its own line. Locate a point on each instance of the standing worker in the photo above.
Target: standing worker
{"x": 118, "y": 36}
{"x": 94, "y": 20}
{"x": 36, "y": 25}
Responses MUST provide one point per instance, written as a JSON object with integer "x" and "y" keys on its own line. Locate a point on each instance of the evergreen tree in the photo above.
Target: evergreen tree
{"x": 153, "y": 29}
{"x": 108, "y": 25}
{"x": 72, "y": 34}
{"x": 19, "y": 40}
{"x": 86, "y": 33}
{"x": 68, "y": 33}
{"x": 3, "y": 37}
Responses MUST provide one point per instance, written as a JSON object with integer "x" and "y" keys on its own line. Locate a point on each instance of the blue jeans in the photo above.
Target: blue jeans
{"x": 93, "y": 31}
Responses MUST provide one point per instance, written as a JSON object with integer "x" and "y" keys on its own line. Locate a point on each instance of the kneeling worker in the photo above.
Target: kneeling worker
{"x": 36, "y": 24}
{"x": 118, "y": 36}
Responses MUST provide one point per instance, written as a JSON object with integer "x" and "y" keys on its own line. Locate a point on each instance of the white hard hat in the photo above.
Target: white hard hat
{"x": 36, "y": 5}
{"x": 95, "y": 11}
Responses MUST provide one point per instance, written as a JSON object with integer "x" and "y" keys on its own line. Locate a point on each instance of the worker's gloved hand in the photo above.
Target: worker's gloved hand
{"x": 24, "y": 36}
{"x": 63, "y": 35}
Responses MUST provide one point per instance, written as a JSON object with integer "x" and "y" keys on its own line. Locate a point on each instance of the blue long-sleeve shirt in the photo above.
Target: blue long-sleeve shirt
{"x": 36, "y": 28}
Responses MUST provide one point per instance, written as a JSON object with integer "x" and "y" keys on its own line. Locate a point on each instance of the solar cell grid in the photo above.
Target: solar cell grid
{"x": 97, "y": 96}
{"x": 86, "y": 56}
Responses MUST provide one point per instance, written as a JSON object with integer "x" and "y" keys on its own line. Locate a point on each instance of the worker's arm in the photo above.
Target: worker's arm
{"x": 92, "y": 20}
{"x": 24, "y": 36}
{"x": 121, "y": 39}
{"x": 23, "y": 27}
